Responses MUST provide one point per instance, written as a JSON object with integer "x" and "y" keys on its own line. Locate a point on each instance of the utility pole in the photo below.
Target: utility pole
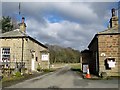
{"x": 19, "y": 9}
{"x": 22, "y": 54}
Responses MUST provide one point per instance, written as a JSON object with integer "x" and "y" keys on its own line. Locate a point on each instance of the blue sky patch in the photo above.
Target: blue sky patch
{"x": 53, "y": 18}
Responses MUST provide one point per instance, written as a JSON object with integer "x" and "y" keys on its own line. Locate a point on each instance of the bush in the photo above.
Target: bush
{"x": 46, "y": 70}
{"x": 18, "y": 74}
{"x": 39, "y": 68}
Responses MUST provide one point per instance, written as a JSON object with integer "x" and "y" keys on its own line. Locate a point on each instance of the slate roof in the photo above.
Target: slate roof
{"x": 14, "y": 33}
{"x": 18, "y": 34}
{"x": 110, "y": 31}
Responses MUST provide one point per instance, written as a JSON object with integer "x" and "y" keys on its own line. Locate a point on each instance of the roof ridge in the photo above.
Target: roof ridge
{"x": 110, "y": 30}
{"x": 13, "y": 33}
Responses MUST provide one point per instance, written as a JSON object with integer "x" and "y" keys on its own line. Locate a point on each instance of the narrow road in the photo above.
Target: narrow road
{"x": 65, "y": 78}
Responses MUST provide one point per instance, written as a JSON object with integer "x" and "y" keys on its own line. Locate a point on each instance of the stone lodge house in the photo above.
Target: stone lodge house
{"x": 17, "y": 47}
{"x": 104, "y": 50}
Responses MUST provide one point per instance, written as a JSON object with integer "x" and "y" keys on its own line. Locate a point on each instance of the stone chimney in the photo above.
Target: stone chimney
{"x": 22, "y": 25}
{"x": 114, "y": 19}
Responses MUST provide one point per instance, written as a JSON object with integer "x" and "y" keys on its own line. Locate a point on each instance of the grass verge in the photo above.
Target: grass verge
{"x": 76, "y": 67}
{"x": 8, "y": 81}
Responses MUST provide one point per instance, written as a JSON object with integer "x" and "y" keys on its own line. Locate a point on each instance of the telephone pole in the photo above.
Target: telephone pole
{"x": 22, "y": 54}
{"x": 19, "y": 9}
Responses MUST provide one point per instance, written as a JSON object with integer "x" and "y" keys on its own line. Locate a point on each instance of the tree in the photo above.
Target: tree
{"x": 63, "y": 55}
{"x": 6, "y": 24}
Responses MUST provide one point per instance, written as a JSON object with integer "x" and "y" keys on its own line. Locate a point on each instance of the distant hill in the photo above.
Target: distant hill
{"x": 59, "y": 54}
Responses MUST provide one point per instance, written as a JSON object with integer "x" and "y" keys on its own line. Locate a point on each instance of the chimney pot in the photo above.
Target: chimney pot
{"x": 23, "y": 25}
{"x": 114, "y": 19}
{"x": 113, "y": 12}
{"x": 23, "y": 18}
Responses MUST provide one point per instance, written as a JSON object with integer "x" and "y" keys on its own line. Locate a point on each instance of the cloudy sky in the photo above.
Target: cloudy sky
{"x": 69, "y": 24}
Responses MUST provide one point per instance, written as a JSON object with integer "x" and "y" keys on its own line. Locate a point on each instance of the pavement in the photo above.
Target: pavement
{"x": 65, "y": 78}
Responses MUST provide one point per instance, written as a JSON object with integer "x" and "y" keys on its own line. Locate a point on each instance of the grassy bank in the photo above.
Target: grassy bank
{"x": 76, "y": 67}
{"x": 11, "y": 80}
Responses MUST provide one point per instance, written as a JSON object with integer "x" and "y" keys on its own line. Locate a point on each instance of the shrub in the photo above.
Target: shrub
{"x": 46, "y": 70}
{"x": 18, "y": 74}
{"x": 39, "y": 68}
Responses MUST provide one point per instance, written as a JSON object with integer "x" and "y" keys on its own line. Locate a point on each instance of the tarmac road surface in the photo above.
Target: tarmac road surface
{"x": 65, "y": 78}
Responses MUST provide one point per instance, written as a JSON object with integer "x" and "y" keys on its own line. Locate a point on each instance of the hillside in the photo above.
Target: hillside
{"x": 63, "y": 55}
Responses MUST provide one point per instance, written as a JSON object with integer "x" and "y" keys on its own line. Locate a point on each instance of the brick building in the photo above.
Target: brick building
{"x": 105, "y": 50}
{"x": 17, "y": 47}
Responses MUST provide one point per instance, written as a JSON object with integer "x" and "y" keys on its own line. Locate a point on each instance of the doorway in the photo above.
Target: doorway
{"x": 33, "y": 61}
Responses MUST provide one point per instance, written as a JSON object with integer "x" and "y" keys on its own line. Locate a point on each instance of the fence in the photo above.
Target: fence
{"x": 7, "y": 68}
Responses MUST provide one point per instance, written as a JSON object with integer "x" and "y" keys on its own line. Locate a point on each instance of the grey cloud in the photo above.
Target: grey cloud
{"x": 102, "y": 9}
{"x": 67, "y": 34}
{"x": 81, "y": 21}
{"x": 69, "y": 11}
